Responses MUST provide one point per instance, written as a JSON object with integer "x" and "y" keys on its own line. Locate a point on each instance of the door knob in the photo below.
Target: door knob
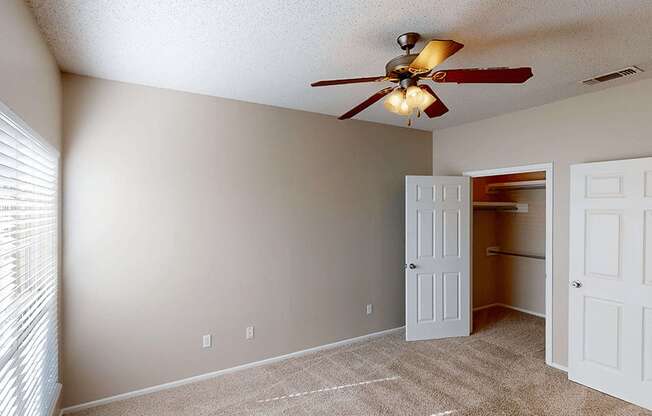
{"x": 412, "y": 266}
{"x": 576, "y": 284}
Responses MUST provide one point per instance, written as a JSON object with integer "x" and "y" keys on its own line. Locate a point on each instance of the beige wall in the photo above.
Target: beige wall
{"x": 610, "y": 124}
{"x": 30, "y": 82}
{"x": 485, "y": 268}
{"x": 187, "y": 215}
{"x": 521, "y": 281}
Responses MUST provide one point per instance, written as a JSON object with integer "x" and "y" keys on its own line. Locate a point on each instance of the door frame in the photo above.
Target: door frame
{"x": 549, "y": 169}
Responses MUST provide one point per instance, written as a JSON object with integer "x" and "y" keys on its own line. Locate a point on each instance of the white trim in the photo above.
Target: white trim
{"x": 549, "y": 169}
{"x": 206, "y": 376}
{"x": 529, "y": 312}
{"x": 491, "y": 305}
{"x": 509, "y": 170}
{"x": 559, "y": 367}
{"x": 504, "y": 305}
{"x": 55, "y": 401}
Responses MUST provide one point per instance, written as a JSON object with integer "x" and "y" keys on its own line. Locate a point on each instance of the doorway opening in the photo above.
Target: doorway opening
{"x": 511, "y": 246}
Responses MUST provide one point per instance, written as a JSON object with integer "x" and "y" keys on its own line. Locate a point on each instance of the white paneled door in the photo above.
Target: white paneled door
{"x": 437, "y": 257}
{"x": 611, "y": 278}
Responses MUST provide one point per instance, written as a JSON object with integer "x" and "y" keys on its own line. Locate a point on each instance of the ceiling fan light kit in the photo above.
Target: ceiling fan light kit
{"x": 407, "y": 101}
{"x": 408, "y": 97}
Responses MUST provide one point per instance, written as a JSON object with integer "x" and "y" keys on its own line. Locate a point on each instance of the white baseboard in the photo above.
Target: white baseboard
{"x": 559, "y": 367}
{"x": 491, "y": 305}
{"x": 206, "y": 376}
{"x": 55, "y": 401}
{"x": 529, "y": 312}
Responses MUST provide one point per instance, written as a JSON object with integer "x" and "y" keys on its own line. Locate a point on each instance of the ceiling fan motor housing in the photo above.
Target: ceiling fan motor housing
{"x": 399, "y": 67}
{"x": 405, "y": 83}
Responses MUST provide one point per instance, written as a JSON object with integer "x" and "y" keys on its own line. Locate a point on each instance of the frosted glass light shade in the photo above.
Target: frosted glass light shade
{"x": 394, "y": 99}
{"x": 404, "y": 108}
{"x": 414, "y": 96}
{"x": 426, "y": 101}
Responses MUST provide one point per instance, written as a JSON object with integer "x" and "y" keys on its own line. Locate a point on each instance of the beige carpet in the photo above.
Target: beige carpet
{"x": 499, "y": 370}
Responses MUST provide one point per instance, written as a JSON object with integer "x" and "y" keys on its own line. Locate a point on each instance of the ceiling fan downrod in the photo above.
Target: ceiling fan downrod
{"x": 407, "y": 41}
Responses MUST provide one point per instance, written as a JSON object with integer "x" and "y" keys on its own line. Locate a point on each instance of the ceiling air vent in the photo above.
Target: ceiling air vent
{"x": 631, "y": 70}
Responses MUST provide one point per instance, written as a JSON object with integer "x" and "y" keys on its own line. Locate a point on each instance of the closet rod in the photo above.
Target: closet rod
{"x": 493, "y": 251}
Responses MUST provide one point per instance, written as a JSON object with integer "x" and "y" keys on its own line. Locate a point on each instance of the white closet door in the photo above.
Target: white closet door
{"x": 437, "y": 256}
{"x": 611, "y": 278}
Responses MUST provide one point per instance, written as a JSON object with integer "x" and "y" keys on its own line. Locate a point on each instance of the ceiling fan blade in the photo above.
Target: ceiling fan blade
{"x": 437, "y": 108}
{"x": 366, "y": 103}
{"x": 489, "y": 75}
{"x": 328, "y": 82}
{"x": 435, "y": 52}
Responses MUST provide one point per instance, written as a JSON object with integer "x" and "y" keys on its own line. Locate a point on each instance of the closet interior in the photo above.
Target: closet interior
{"x": 509, "y": 242}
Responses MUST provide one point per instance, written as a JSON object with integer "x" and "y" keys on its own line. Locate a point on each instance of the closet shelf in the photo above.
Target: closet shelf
{"x": 497, "y": 251}
{"x": 500, "y": 206}
{"x": 515, "y": 186}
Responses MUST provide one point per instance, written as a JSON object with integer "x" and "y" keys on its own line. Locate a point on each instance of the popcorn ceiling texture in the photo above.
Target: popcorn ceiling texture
{"x": 269, "y": 51}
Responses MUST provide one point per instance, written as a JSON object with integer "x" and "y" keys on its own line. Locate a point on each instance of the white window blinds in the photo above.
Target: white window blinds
{"x": 28, "y": 270}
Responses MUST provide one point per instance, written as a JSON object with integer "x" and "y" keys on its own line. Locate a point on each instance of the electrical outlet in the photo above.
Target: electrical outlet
{"x": 207, "y": 341}
{"x": 370, "y": 308}
{"x": 249, "y": 334}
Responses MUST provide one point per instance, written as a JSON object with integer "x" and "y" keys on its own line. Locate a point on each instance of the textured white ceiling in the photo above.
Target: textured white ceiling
{"x": 268, "y": 51}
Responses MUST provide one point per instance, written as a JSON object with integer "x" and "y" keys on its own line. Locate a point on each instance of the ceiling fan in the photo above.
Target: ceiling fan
{"x": 408, "y": 97}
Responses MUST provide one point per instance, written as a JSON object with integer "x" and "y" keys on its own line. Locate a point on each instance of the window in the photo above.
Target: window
{"x": 28, "y": 270}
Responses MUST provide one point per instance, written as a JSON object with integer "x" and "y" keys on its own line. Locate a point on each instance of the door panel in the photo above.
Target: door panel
{"x": 604, "y": 186}
{"x": 648, "y": 184}
{"x": 647, "y": 344}
{"x": 647, "y": 243}
{"x": 603, "y": 243}
{"x": 611, "y": 261}
{"x": 426, "y": 193}
{"x": 452, "y": 193}
{"x": 438, "y": 245}
{"x": 426, "y": 233}
{"x": 426, "y": 297}
{"x": 603, "y": 332}
{"x": 451, "y": 235}
{"x": 451, "y": 296}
